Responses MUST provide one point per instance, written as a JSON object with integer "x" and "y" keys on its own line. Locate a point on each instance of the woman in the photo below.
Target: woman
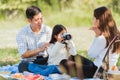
{"x": 105, "y": 30}
{"x": 60, "y": 47}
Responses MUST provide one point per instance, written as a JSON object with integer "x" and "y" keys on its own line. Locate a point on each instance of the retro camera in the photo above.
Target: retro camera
{"x": 66, "y": 36}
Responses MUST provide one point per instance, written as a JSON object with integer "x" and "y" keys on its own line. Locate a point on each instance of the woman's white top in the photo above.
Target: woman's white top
{"x": 97, "y": 50}
{"x": 58, "y": 51}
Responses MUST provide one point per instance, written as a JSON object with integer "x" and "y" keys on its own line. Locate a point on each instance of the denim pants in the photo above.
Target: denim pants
{"x": 44, "y": 70}
{"x": 23, "y": 66}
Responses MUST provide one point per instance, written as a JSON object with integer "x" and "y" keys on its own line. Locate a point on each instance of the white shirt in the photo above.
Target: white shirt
{"x": 97, "y": 50}
{"x": 58, "y": 51}
{"x": 28, "y": 40}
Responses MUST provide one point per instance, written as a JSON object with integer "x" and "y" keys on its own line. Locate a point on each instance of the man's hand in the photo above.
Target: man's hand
{"x": 31, "y": 53}
{"x": 44, "y": 46}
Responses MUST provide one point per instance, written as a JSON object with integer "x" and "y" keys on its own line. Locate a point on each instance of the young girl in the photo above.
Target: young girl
{"x": 60, "y": 48}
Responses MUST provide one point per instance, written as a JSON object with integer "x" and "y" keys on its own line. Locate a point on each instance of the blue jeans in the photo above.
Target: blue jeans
{"x": 44, "y": 70}
{"x": 23, "y": 66}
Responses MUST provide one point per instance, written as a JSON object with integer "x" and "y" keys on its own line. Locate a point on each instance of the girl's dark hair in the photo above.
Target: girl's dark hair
{"x": 107, "y": 26}
{"x": 56, "y": 30}
{"x": 32, "y": 11}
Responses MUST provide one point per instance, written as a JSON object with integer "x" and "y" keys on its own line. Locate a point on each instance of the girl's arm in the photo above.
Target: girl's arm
{"x": 72, "y": 48}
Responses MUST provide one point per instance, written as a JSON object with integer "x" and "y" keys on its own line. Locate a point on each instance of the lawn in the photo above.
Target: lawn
{"x": 10, "y": 56}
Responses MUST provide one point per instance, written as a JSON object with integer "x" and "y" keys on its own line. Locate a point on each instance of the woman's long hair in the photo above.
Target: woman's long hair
{"x": 70, "y": 70}
{"x": 56, "y": 30}
{"x": 107, "y": 26}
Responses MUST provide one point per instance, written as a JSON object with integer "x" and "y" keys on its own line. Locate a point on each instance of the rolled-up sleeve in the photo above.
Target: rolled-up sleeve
{"x": 72, "y": 48}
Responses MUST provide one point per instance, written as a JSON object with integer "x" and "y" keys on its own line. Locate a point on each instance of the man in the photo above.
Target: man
{"x": 33, "y": 39}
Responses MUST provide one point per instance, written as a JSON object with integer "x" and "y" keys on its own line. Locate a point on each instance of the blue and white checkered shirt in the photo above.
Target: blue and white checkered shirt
{"x": 28, "y": 40}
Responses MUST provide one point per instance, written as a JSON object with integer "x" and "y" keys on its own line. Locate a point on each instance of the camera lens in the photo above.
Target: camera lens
{"x": 66, "y": 36}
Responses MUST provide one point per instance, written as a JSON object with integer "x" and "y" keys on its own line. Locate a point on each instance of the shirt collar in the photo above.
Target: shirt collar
{"x": 42, "y": 29}
{"x": 29, "y": 29}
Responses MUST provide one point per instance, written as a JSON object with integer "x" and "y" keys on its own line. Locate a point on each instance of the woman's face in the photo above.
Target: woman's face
{"x": 95, "y": 22}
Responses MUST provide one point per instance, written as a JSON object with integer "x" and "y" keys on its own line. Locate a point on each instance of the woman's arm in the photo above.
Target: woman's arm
{"x": 97, "y": 46}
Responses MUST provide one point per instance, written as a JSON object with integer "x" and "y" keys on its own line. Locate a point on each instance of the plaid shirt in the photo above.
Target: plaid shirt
{"x": 28, "y": 40}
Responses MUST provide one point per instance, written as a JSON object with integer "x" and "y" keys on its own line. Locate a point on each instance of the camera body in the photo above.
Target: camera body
{"x": 66, "y": 36}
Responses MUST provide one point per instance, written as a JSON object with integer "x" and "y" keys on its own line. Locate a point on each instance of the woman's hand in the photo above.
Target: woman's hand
{"x": 96, "y": 30}
{"x": 95, "y": 27}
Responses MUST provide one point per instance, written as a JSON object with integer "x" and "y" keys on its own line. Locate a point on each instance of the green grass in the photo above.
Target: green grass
{"x": 9, "y": 56}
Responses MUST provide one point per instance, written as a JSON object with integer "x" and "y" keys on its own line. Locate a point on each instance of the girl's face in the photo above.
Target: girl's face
{"x": 59, "y": 36}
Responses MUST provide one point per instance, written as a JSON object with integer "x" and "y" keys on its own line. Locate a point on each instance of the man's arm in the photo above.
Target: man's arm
{"x": 30, "y": 53}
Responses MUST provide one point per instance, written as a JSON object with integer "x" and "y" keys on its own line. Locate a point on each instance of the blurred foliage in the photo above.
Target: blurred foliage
{"x": 115, "y": 4}
{"x": 14, "y": 7}
{"x": 58, "y": 11}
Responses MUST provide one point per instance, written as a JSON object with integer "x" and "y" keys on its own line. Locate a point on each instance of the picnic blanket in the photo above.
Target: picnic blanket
{"x": 11, "y": 73}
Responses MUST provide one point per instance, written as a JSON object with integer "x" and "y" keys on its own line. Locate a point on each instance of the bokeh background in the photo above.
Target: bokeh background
{"x": 76, "y": 15}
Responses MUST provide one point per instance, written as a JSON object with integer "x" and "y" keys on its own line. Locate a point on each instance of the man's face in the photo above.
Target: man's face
{"x": 36, "y": 21}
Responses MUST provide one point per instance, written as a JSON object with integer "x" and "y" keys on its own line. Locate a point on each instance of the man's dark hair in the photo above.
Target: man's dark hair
{"x": 32, "y": 11}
